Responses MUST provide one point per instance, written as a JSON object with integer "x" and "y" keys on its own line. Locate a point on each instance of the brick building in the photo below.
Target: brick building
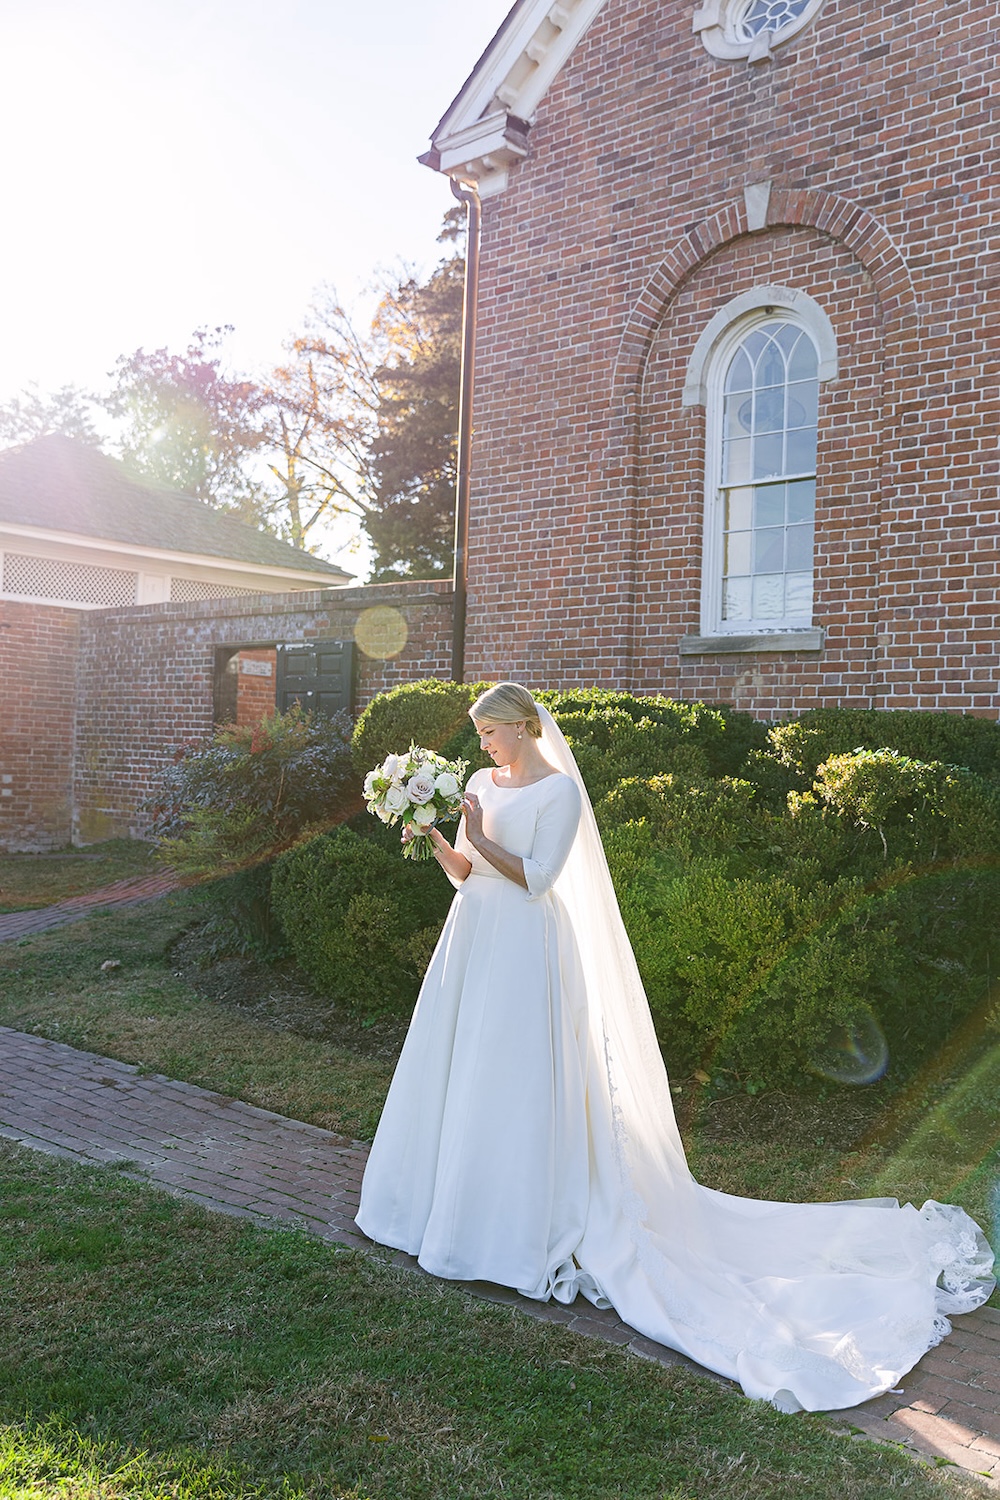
{"x": 133, "y": 618}
{"x": 737, "y": 363}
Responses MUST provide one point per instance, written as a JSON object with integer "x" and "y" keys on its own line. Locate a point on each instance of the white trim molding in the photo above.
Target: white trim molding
{"x": 761, "y": 299}
{"x": 484, "y": 131}
{"x": 727, "y": 31}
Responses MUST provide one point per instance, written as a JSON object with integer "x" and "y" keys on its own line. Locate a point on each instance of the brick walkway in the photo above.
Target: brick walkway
{"x": 17, "y": 924}
{"x": 242, "y": 1160}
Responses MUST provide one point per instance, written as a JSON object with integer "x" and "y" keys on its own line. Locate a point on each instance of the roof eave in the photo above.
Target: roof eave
{"x": 484, "y": 131}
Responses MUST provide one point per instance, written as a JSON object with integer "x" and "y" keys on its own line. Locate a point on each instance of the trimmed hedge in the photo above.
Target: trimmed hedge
{"x": 360, "y": 920}
{"x": 826, "y": 888}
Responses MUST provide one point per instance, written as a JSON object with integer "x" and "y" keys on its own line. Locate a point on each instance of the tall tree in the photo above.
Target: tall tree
{"x": 321, "y": 407}
{"x": 364, "y": 422}
{"x": 413, "y": 454}
{"x": 31, "y": 414}
{"x": 190, "y": 426}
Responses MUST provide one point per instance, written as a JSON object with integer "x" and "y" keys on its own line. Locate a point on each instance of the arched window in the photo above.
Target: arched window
{"x": 758, "y": 369}
{"x": 767, "y": 479}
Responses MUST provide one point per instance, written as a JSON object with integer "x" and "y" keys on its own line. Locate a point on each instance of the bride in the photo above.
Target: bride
{"x": 528, "y": 1137}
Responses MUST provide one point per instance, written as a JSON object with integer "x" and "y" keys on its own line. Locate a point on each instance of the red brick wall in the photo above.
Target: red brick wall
{"x": 616, "y": 241}
{"x": 38, "y": 658}
{"x": 255, "y": 685}
{"x": 146, "y": 679}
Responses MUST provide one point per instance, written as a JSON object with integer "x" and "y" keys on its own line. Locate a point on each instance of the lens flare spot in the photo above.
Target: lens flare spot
{"x": 381, "y": 631}
{"x": 855, "y": 1052}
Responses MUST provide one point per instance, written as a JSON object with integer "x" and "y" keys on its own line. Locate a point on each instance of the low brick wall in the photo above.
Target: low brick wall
{"x": 146, "y": 677}
{"x": 38, "y": 660}
{"x": 95, "y": 703}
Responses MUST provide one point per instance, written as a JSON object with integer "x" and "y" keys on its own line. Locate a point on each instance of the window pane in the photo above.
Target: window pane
{"x": 801, "y": 500}
{"x": 738, "y": 412}
{"x": 769, "y": 550}
{"x": 768, "y": 589}
{"x": 738, "y": 510}
{"x": 799, "y": 554}
{"x": 754, "y": 343}
{"x": 799, "y": 594}
{"x": 801, "y": 454}
{"x": 787, "y": 338}
{"x": 767, "y": 456}
{"x": 738, "y": 552}
{"x": 736, "y": 461}
{"x": 736, "y": 599}
{"x": 802, "y": 365}
{"x": 740, "y": 376}
{"x": 770, "y": 367}
{"x": 772, "y": 393}
{"x": 768, "y": 411}
{"x": 803, "y": 404}
{"x": 769, "y": 505}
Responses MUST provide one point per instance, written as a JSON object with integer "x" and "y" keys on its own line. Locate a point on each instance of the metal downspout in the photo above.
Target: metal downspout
{"x": 466, "y": 193}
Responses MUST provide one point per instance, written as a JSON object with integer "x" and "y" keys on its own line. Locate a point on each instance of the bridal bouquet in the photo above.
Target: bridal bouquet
{"x": 417, "y": 789}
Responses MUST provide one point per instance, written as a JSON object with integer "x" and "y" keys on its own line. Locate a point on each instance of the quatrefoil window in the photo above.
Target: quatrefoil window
{"x": 750, "y": 28}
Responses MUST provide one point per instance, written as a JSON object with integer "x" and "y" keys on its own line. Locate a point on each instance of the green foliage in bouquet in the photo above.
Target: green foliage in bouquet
{"x": 360, "y": 921}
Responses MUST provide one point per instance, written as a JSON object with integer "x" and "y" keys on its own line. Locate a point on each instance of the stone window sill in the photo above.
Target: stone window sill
{"x": 784, "y": 641}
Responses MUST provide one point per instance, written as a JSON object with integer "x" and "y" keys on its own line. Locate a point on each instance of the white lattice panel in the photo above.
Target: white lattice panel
{"x": 76, "y": 583}
{"x": 184, "y": 590}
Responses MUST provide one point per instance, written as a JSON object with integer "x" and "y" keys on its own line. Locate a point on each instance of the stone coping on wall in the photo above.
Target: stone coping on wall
{"x": 406, "y": 591}
{"x": 789, "y": 640}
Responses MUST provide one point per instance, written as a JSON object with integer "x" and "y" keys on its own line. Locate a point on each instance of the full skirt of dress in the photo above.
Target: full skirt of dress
{"x": 504, "y": 1154}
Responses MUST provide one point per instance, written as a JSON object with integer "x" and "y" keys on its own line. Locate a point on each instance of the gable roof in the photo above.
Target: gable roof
{"x": 484, "y": 130}
{"x": 58, "y": 484}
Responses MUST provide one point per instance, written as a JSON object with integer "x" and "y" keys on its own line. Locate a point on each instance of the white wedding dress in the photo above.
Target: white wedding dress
{"x": 528, "y": 1139}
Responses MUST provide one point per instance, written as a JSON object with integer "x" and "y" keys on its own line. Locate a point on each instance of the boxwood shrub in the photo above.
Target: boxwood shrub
{"x": 823, "y": 887}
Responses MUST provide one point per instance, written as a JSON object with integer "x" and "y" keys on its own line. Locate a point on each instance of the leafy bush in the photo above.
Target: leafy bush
{"x": 361, "y": 921}
{"x": 933, "y": 810}
{"x": 427, "y": 713}
{"x": 615, "y": 735}
{"x": 228, "y": 806}
{"x": 955, "y": 739}
{"x": 833, "y": 877}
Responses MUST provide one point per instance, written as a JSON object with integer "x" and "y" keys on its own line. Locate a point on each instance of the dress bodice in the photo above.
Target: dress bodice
{"x": 536, "y": 822}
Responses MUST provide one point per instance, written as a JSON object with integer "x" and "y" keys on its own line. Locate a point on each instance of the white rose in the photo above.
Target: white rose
{"x": 370, "y": 783}
{"x": 424, "y": 816}
{"x": 420, "y": 788}
{"x": 396, "y": 799}
{"x": 447, "y": 784}
{"x": 390, "y": 766}
{"x": 384, "y": 814}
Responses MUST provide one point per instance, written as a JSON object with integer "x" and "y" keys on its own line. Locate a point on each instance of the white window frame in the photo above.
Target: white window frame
{"x": 718, "y": 23}
{"x": 706, "y": 373}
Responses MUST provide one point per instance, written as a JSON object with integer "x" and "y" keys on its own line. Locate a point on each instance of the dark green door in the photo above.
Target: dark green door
{"x": 317, "y": 674}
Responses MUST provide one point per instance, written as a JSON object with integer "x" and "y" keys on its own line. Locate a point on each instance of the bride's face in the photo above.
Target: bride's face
{"x": 499, "y": 741}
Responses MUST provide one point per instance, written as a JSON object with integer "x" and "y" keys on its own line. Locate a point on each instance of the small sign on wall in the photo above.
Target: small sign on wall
{"x": 251, "y": 668}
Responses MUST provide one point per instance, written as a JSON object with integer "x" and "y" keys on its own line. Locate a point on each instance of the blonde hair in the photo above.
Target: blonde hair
{"x": 507, "y": 703}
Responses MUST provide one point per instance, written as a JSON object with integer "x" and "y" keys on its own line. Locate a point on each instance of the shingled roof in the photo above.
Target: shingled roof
{"x": 56, "y": 483}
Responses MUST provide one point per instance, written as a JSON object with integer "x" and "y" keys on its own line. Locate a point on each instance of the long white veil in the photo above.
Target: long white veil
{"x": 807, "y": 1305}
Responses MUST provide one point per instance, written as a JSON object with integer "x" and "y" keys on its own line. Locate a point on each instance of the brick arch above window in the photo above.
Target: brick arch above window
{"x": 764, "y": 205}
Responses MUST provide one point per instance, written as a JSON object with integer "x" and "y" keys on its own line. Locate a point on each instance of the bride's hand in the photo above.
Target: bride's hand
{"x": 473, "y": 811}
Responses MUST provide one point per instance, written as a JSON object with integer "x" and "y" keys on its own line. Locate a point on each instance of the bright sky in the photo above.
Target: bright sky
{"x": 174, "y": 163}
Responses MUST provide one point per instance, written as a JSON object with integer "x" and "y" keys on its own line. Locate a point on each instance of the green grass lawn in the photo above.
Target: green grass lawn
{"x": 148, "y": 1349}
{"x": 151, "y": 1349}
{"x": 32, "y": 880}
